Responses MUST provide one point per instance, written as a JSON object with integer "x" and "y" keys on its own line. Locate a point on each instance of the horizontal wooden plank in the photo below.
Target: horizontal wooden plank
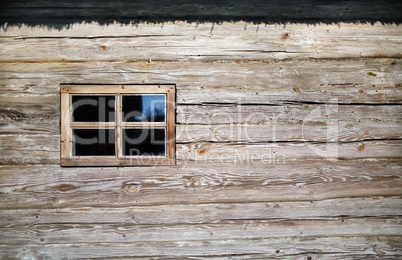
{"x": 342, "y": 131}
{"x": 24, "y": 115}
{"x": 343, "y": 81}
{"x": 207, "y": 213}
{"x": 45, "y": 149}
{"x": 250, "y": 229}
{"x": 117, "y": 88}
{"x": 41, "y": 113}
{"x": 319, "y": 132}
{"x": 315, "y": 247}
{"x": 281, "y": 152}
{"x": 46, "y": 186}
{"x": 30, "y": 114}
{"x": 13, "y": 122}
{"x": 29, "y": 149}
{"x": 142, "y": 161}
{"x": 258, "y": 94}
{"x": 260, "y": 114}
{"x": 41, "y": 108}
{"x": 182, "y": 41}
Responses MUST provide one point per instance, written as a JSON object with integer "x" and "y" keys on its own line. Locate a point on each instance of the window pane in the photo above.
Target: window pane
{"x": 143, "y": 142}
{"x": 89, "y": 142}
{"x": 144, "y": 108}
{"x": 93, "y": 108}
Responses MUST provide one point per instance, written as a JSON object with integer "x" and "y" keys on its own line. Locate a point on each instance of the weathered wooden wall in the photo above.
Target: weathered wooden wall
{"x": 321, "y": 102}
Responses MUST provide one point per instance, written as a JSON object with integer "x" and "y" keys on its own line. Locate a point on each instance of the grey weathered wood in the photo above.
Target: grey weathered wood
{"x": 322, "y": 247}
{"x": 232, "y": 229}
{"x": 207, "y": 213}
{"x": 55, "y": 187}
{"x": 40, "y": 114}
{"x": 238, "y": 152}
{"x": 19, "y": 112}
{"x": 45, "y": 149}
{"x": 260, "y": 114}
{"x": 226, "y": 41}
{"x": 343, "y": 81}
{"x": 32, "y": 114}
{"x": 29, "y": 149}
{"x": 321, "y": 84}
{"x": 319, "y": 132}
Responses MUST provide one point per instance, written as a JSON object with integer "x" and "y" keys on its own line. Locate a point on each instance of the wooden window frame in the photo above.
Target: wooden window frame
{"x": 66, "y": 146}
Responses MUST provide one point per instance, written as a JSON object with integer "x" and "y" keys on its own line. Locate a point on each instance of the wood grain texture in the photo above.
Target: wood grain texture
{"x": 41, "y": 113}
{"x": 113, "y": 89}
{"x": 44, "y": 149}
{"x": 207, "y": 213}
{"x": 270, "y": 82}
{"x": 277, "y": 248}
{"x": 226, "y": 41}
{"x": 35, "y": 114}
{"x": 65, "y": 118}
{"x": 232, "y": 229}
{"x": 313, "y": 132}
{"x": 243, "y": 152}
{"x": 29, "y": 149}
{"x": 292, "y": 113}
{"x": 55, "y": 187}
{"x": 171, "y": 126}
{"x": 322, "y": 102}
{"x": 342, "y": 131}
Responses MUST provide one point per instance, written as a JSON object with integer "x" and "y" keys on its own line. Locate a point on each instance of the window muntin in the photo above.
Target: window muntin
{"x": 117, "y": 125}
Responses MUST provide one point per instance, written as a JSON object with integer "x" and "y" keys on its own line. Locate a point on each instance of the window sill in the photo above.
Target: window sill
{"x": 133, "y": 161}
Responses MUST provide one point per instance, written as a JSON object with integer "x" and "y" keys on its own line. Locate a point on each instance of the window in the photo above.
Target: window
{"x": 117, "y": 125}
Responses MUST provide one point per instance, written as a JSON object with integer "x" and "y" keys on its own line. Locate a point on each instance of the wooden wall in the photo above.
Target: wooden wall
{"x": 288, "y": 143}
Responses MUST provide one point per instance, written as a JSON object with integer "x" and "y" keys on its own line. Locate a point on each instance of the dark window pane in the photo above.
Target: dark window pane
{"x": 143, "y": 142}
{"x": 93, "y": 108}
{"x": 89, "y": 142}
{"x": 144, "y": 108}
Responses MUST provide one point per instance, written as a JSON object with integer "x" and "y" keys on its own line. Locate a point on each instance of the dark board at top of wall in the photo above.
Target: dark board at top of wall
{"x": 60, "y": 14}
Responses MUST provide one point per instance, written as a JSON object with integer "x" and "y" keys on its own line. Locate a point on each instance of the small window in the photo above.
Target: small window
{"x": 117, "y": 125}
